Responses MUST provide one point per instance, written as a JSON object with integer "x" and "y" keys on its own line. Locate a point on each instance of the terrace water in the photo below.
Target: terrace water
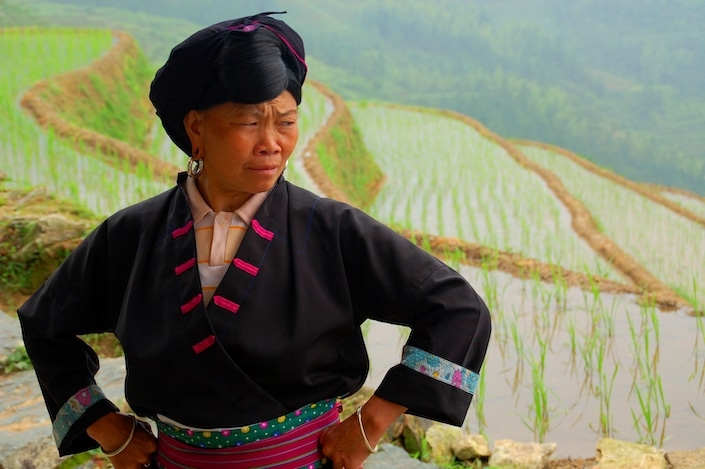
{"x": 571, "y": 375}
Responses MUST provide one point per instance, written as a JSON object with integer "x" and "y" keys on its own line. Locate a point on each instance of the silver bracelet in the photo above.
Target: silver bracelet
{"x": 126, "y": 443}
{"x": 364, "y": 435}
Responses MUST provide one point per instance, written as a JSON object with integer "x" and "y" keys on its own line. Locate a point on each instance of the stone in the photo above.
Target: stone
{"x": 46, "y": 232}
{"x": 440, "y": 437}
{"x": 394, "y": 457}
{"x": 10, "y": 335}
{"x": 37, "y": 454}
{"x": 412, "y": 434}
{"x": 25, "y": 426}
{"x": 616, "y": 454}
{"x": 686, "y": 459}
{"x": 514, "y": 455}
{"x": 471, "y": 447}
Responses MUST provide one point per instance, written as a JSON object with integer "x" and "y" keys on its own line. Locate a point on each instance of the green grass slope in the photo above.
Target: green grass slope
{"x": 449, "y": 175}
{"x": 628, "y": 97}
{"x": 33, "y": 157}
{"x": 637, "y": 224}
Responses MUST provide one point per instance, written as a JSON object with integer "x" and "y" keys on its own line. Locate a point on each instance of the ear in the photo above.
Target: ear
{"x": 192, "y": 124}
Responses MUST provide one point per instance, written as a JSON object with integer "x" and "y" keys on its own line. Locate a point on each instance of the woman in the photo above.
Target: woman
{"x": 238, "y": 297}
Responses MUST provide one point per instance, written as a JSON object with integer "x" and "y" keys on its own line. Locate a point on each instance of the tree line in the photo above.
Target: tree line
{"x": 616, "y": 81}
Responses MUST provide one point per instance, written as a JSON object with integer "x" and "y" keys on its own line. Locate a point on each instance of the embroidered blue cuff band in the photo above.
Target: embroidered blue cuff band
{"x": 440, "y": 369}
{"x": 73, "y": 409}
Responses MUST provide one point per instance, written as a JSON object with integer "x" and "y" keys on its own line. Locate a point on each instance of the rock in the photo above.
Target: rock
{"x": 393, "y": 457}
{"x": 471, "y": 447}
{"x": 25, "y": 427}
{"x": 35, "y": 455}
{"x": 440, "y": 437}
{"x": 47, "y": 233}
{"x": 510, "y": 454}
{"x": 412, "y": 434}
{"x": 615, "y": 454}
{"x": 686, "y": 459}
{"x": 10, "y": 335}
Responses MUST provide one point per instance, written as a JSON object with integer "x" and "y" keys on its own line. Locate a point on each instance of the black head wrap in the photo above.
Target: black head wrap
{"x": 248, "y": 60}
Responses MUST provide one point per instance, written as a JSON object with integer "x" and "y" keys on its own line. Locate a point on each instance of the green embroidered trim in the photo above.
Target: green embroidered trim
{"x": 73, "y": 409}
{"x": 225, "y": 438}
{"x": 440, "y": 369}
{"x": 315, "y": 465}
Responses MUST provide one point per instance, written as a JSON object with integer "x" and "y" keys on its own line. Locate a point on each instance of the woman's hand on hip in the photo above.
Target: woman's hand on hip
{"x": 113, "y": 430}
{"x": 344, "y": 444}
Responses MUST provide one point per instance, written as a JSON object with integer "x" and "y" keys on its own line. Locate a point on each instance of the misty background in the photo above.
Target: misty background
{"x": 619, "y": 82}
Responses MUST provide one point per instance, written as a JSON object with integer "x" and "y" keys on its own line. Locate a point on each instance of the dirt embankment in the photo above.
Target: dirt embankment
{"x": 350, "y": 166}
{"x": 644, "y": 283}
{"x": 584, "y": 224}
{"x": 514, "y": 264}
{"x": 311, "y": 163}
{"x": 650, "y": 191}
{"x": 659, "y": 189}
{"x": 117, "y": 152}
{"x": 73, "y": 84}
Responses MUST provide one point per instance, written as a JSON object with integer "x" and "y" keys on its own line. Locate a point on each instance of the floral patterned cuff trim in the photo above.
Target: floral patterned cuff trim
{"x": 440, "y": 369}
{"x": 73, "y": 409}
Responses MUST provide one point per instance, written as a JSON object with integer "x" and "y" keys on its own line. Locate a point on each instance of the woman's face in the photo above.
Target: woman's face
{"x": 244, "y": 147}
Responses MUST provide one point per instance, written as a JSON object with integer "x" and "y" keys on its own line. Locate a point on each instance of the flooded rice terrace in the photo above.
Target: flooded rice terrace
{"x": 570, "y": 366}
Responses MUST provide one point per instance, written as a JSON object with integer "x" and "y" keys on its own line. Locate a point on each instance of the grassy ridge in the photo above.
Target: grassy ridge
{"x": 103, "y": 98}
{"x": 632, "y": 221}
{"x": 343, "y": 158}
{"x": 88, "y": 107}
{"x": 592, "y": 332}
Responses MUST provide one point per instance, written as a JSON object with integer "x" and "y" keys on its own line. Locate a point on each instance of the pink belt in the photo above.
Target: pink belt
{"x": 293, "y": 450}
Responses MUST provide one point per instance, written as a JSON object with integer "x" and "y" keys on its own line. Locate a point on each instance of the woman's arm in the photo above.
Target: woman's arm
{"x": 114, "y": 430}
{"x": 81, "y": 297}
{"x": 344, "y": 444}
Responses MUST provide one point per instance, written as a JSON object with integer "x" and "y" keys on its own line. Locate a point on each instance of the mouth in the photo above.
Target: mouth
{"x": 266, "y": 169}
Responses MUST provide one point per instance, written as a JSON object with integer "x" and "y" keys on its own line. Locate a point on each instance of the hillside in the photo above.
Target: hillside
{"x": 626, "y": 95}
{"x": 460, "y": 172}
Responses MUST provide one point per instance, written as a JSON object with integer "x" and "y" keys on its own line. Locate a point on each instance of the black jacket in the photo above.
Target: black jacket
{"x": 282, "y": 330}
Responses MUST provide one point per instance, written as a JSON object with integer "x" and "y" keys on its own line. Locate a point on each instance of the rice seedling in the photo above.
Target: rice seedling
{"x": 605, "y": 388}
{"x": 698, "y": 352}
{"x": 651, "y": 415}
{"x": 479, "y": 402}
{"x": 588, "y": 331}
{"x": 518, "y": 342}
{"x": 571, "y": 329}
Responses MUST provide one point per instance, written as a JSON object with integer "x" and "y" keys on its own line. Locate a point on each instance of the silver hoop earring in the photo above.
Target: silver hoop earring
{"x": 194, "y": 168}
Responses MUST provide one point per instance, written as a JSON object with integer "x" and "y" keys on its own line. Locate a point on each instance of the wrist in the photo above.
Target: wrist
{"x": 372, "y": 449}
{"x": 111, "y": 430}
{"x": 376, "y": 415}
{"x": 114, "y": 452}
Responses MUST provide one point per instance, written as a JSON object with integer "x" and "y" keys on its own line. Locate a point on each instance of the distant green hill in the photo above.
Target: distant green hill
{"x": 618, "y": 81}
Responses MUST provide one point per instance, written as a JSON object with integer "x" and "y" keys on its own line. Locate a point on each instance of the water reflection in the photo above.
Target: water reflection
{"x": 569, "y": 366}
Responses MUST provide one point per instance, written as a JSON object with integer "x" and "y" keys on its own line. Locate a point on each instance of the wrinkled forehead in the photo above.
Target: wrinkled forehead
{"x": 284, "y": 104}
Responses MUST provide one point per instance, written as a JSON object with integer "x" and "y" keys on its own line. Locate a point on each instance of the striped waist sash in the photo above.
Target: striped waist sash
{"x": 295, "y": 449}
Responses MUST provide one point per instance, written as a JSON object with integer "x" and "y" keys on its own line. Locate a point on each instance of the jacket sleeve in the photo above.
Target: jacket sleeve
{"x": 393, "y": 280}
{"x": 78, "y": 298}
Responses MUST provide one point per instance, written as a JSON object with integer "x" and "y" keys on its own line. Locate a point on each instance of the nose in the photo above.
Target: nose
{"x": 268, "y": 141}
